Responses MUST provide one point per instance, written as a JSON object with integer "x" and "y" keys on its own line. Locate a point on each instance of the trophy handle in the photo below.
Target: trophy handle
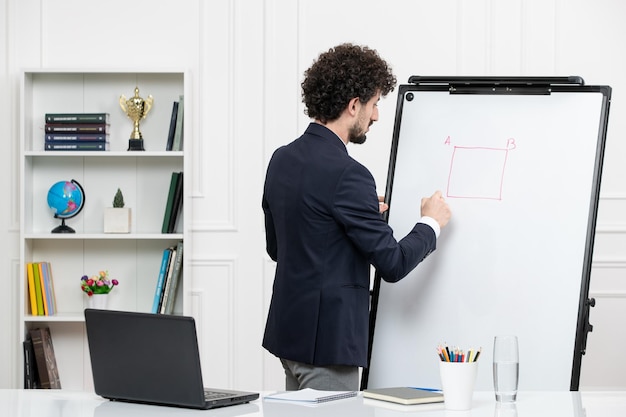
{"x": 123, "y": 102}
{"x": 147, "y": 106}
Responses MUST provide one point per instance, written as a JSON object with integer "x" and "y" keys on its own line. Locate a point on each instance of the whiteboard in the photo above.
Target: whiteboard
{"x": 521, "y": 175}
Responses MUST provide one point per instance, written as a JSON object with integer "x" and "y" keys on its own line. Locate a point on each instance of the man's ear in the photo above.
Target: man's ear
{"x": 353, "y": 106}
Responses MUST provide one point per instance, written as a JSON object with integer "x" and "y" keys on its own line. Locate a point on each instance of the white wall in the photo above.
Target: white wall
{"x": 246, "y": 58}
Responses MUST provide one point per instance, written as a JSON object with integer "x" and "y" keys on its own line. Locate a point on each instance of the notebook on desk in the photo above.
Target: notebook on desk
{"x": 151, "y": 358}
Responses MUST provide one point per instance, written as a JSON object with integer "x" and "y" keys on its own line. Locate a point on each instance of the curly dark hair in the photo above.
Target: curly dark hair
{"x": 341, "y": 74}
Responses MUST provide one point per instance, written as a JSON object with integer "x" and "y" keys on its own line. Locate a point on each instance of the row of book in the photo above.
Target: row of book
{"x": 40, "y": 289}
{"x": 40, "y": 367}
{"x": 176, "y": 132}
{"x": 167, "y": 282}
{"x": 77, "y": 131}
{"x": 174, "y": 204}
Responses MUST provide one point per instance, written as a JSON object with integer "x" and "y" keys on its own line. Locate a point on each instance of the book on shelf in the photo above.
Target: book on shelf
{"x": 44, "y": 293}
{"x": 38, "y": 290}
{"x": 172, "y": 130}
{"x": 45, "y": 358}
{"x": 177, "y": 204}
{"x": 32, "y": 292}
{"x": 172, "y": 285}
{"x": 77, "y": 146}
{"x": 77, "y": 118}
{"x": 169, "y": 204}
{"x": 46, "y": 271}
{"x": 168, "y": 281}
{"x": 76, "y": 128}
{"x": 179, "y": 131}
{"x": 31, "y": 377}
{"x": 404, "y": 395}
{"x": 77, "y": 137}
{"x": 158, "y": 292}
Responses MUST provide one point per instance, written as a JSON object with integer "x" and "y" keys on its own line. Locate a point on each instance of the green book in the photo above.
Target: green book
{"x": 170, "y": 202}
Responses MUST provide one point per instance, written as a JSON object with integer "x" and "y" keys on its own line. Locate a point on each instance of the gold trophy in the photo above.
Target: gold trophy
{"x": 136, "y": 108}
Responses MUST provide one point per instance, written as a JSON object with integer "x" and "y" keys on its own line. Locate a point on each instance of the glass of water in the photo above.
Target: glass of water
{"x": 505, "y": 367}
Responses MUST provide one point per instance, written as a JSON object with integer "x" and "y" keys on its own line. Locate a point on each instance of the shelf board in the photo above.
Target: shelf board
{"x": 106, "y": 154}
{"x": 103, "y": 236}
{"x": 76, "y": 317}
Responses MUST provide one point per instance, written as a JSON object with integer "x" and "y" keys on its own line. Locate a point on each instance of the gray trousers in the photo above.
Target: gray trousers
{"x": 330, "y": 378}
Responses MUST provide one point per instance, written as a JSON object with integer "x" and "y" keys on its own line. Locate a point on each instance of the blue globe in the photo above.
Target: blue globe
{"x": 66, "y": 199}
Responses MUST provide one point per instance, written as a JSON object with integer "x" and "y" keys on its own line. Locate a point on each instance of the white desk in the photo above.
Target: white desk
{"x": 61, "y": 403}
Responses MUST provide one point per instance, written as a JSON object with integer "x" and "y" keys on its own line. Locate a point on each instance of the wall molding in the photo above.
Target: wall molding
{"x": 201, "y": 303}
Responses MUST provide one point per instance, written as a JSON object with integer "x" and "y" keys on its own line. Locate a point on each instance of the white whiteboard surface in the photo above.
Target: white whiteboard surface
{"x": 518, "y": 172}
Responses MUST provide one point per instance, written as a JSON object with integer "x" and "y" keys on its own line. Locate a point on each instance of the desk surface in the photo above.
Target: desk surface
{"x": 49, "y": 403}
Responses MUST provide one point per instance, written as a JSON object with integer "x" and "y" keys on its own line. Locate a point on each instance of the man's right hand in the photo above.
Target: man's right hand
{"x": 436, "y": 207}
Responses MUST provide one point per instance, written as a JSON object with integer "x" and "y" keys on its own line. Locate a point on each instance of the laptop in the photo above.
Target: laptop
{"x": 152, "y": 359}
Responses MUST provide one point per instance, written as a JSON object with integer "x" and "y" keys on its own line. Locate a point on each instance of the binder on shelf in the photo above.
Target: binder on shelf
{"x": 31, "y": 377}
{"x": 46, "y": 270}
{"x": 177, "y": 204}
{"x": 168, "y": 281}
{"x": 45, "y": 358}
{"x": 44, "y": 291}
{"x": 32, "y": 293}
{"x": 172, "y": 130}
{"x": 179, "y": 132}
{"x": 169, "y": 205}
{"x": 173, "y": 285}
{"x": 38, "y": 290}
{"x": 158, "y": 292}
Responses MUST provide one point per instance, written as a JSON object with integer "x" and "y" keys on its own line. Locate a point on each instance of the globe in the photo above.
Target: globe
{"x": 66, "y": 199}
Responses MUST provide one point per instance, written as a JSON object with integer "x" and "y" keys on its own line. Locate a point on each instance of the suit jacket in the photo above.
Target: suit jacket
{"x": 324, "y": 230}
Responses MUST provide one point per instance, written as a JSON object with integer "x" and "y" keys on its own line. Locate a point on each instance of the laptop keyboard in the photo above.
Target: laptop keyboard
{"x": 212, "y": 395}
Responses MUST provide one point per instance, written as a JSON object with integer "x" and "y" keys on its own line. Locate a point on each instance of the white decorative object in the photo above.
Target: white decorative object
{"x": 98, "y": 301}
{"x": 116, "y": 220}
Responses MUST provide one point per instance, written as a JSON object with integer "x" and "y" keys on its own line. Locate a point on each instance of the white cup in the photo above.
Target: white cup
{"x": 505, "y": 367}
{"x": 457, "y": 382}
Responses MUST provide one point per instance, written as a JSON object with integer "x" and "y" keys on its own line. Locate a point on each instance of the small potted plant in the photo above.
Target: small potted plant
{"x": 97, "y": 288}
{"x": 117, "y": 218}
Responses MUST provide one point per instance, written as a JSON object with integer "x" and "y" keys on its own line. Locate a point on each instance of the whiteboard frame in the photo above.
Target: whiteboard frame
{"x": 509, "y": 86}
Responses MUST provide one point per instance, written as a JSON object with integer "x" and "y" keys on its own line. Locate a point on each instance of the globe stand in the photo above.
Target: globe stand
{"x": 62, "y": 228}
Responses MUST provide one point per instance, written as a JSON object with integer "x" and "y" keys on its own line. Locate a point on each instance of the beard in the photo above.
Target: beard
{"x": 356, "y": 134}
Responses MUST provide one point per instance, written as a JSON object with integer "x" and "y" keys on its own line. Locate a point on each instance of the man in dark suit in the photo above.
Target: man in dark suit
{"x": 324, "y": 226}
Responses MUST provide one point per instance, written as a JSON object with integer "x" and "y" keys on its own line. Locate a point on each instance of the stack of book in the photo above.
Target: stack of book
{"x": 167, "y": 282}
{"x": 77, "y": 132}
{"x": 40, "y": 289}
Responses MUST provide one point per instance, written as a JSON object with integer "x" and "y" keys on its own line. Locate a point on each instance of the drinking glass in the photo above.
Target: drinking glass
{"x": 505, "y": 367}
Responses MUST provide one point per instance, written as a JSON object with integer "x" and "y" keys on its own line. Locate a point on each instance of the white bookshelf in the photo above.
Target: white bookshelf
{"x": 143, "y": 176}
